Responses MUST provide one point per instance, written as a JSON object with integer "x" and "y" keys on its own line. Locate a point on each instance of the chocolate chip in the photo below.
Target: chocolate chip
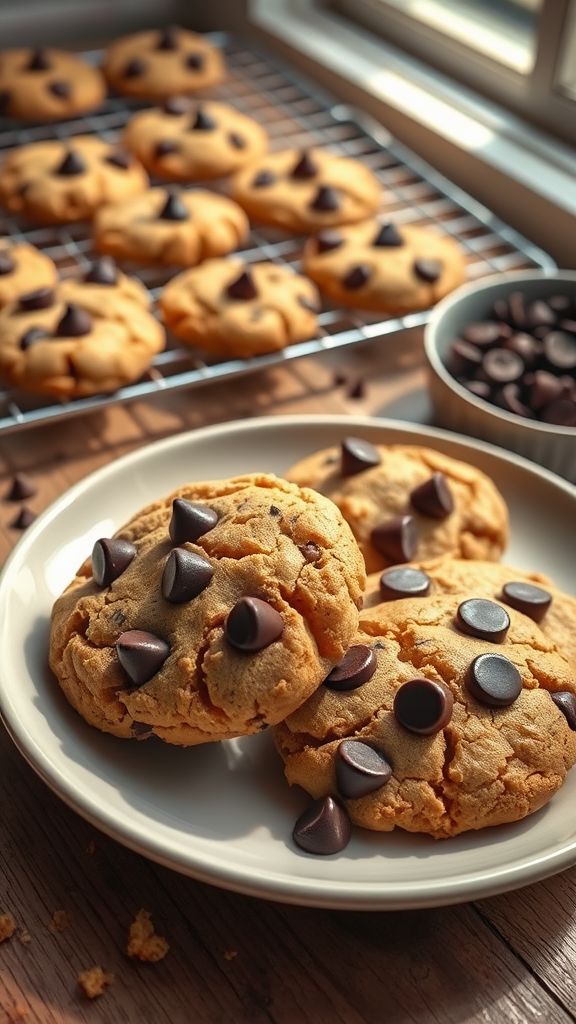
{"x": 31, "y": 336}
{"x": 525, "y": 346}
{"x": 326, "y": 200}
{"x": 61, "y": 90}
{"x": 168, "y": 38}
{"x": 428, "y": 270}
{"x": 236, "y": 140}
{"x": 396, "y": 539}
{"x": 119, "y": 158}
{"x": 253, "y": 624}
{"x": 39, "y": 61}
{"x": 141, "y": 654}
{"x": 483, "y": 619}
{"x": 539, "y": 313}
{"x": 304, "y": 167}
{"x": 403, "y": 581}
{"x": 203, "y": 122}
{"x": 543, "y": 388}
{"x": 323, "y": 829}
{"x": 7, "y": 265}
{"x": 527, "y": 598}
{"x": 328, "y": 240}
{"x": 274, "y": 511}
{"x": 356, "y": 277}
{"x": 75, "y": 322}
{"x": 5, "y": 97}
{"x": 41, "y": 298}
{"x": 357, "y": 389}
{"x": 242, "y": 287}
{"x": 263, "y": 179}
{"x": 103, "y": 271}
{"x": 165, "y": 147}
{"x": 22, "y": 487}
{"x": 566, "y": 703}
{"x": 562, "y": 412}
{"x": 71, "y": 165}
{"x": 358, "y": 455}
{"x": 360, "y": 769}
{"x": 502, "y": 366}
{"x": 388, "y": 236}
{"x": 176, "y": 105}
{"x": 480, "y": 388}
{"x": 560, "y": 304}
{"x": 110, "y": 558}
{"x": 173, "y": 208}
{"x": 141, "y": 730}
{"x": 194, "y": 61}
{"x": 423, "y": 706}
{"x": 517, "y": 310}
{"x": 492, "y": 679}
{"x": 185, "y": 575}
{"x": 560, "y": 350}
{"x": 190, "y": 520}
{"x": 357, "y": 666}
{"x": 509, "y": 399}
{"x": 568, "y": 325}
{"x": 23, "y": 519}
{"x": 433, "y": 497}
{"x": 483, "y": 335}
{"x": 310, "y": 551}
{"x": 135, "y": 68}
{"x": 464, "y": 358}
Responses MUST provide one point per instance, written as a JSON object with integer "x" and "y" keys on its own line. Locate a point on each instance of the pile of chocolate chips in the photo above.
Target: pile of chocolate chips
{"x": 523, "y": 358}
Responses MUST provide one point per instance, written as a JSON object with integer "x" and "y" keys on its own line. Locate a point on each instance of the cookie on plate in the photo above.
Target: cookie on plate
{"x": 22, "y": 269}
{"x": 187, "y": 141}
{"x": 446, "y": 715}
{"x": 212, "y": 613}
{"x": 531, "y": 593}
{"x": 404, "y": 502}
{"x": 235, "y": 309}
{"x": 376, "y": 265}
{"x": 48, "y": 85}
{"x": 83, "y": 337}
{"x": 160, "y": 63}
{"x": 307, "y": 190}
{"x": 68, "y": 180}
{"x": 170, "y": 226}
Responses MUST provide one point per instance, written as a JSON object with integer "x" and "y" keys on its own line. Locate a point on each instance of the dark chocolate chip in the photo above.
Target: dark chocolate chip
{"x": 464, "y": 358}
{"x": 5, "y": 97}
{"x": 396, "y": 539}
{"x": 502, "y": 366}
{"x": 173, "y": 208}
{"x": 176, "y": 105}
{"x": 236, "y": 140}
{"x": 403, "y": 581}
{"x": 141, "y": 654}
{"x": 527, "y": 598}
{"x": 275, "y": 511}
{"x": 190, "y": 520}
{"x": 7, "y": 265}
{"x": 324, "y": 828}
{"x": 194, "y": 61}
{"x": 242, "y": 287}
{"x": 39, "y": 61}
{"x": 110, "y": 558}
{"x": 61, "y": 90}
{"x": 41, "y": 298}
{"x": 423, "y": 706}
{"x": 141, "y": 730}
{"x": 483, "y": 619}
{"x": 304, "y": 166}
{"x": 559, "y": 303}
{"x": 388, "y": 235}
{"x": 433, "y": 497}
{"x": 428, "y": 270}
{"x": 253, "y": 624}
{"x": 566, "y": 703}
{"x": 480, "y": 388}
{"x": 23, "y": 519}
{"x": 31, "y": 336}
{"x": 568, "y": 325}
{"x": 517, "y": 310}
{"x": 561, "y": 412}
{"x": 356, "y": 277}
{"x": 360, "y": 769}
{"x": 483, "y": 334}
{"x": 202, "y": 122}
{"x": 263, "y": 178}
{"x": 168, "y": 38}
{"x": 357, "y": 666}
{"x": 358, "y": 455}
{"x": 357, "y": 389}
{"x": 492, "y": 679}
{"x": 543, "y": 388}
{"x": 310, "y": 551}
{"x": 185, "y": 575}
{"x": 326, "y": 200}
{"x": 328, "y": 240}
{"x": 165, "y": 148}
{"x": 525, "y": 346}
{"x": 119, "y": 158}
{"x": 135, "y": 68}
{"x": 71, "y": 165}
{"x": 75, "y": 322}
{"x": 22, "y": 487}
{"x": 102, "y": 271}
{"x": 560, "y": 350}
{"x": 509, "y": 399}
{"x": 539, "y": 314}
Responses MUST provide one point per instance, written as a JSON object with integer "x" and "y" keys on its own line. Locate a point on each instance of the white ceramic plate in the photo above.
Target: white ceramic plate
{"x": 223, "y": 813}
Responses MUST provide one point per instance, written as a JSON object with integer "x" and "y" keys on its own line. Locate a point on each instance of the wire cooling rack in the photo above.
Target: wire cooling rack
{"x": 296, "y": 113}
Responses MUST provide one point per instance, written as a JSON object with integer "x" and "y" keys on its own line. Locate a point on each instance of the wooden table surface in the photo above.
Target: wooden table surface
{"x": 234, "y": 958}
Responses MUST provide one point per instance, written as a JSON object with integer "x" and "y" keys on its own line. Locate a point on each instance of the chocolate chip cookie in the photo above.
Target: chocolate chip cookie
{"x": 404, "y": 502}
{"x": 82, "y": 337}
{"x": 166, "y": 62}
{"x": 304, "y": 191}
{"x": 443, "y": 717}
{"x": 376, "y": 265}
{"x": 237, "y": 309}
{"x": 171, "y": 226}
{"x": 22, "y": 269}
{"x": 186, "y": 141}
{"x": 68, "y": 180}
{"x": 212, "y": 613}
{"x": 48, "y": 85}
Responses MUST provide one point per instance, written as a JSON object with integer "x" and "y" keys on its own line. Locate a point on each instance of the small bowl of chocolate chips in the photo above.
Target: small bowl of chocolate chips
{"x": 502, "y": 364}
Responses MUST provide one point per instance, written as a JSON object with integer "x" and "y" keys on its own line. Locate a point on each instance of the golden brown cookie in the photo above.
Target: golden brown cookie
{"x": 186, "y": 141}
{"x": 404, "y": 502}
{"x": 83, "y": 337}
{"x": 442, "y": 732}
{"x": 170, "y": 226}
{"x": 234, "y": 309}
{"x": 214, "y": 612}
{"x": 22, "y": 269}
{"x": 61, "y": 181}
{"x": 307, "y": 190}
{"x": 48, "y": 85}
{"x": 160, "y": 63}
{"x": 376, "y": 265}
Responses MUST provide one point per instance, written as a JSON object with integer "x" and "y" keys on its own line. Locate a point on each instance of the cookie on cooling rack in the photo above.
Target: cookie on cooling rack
{"x": 161, "y": 63}
{"x": 68, "y": 180}
{"x": 233, "y": 309}
{"x": 307, "y": 190}
{"x": 171, "y": 226}
{"x": 212, "y": 613}
{"x": 187, "y": 141}
{"x": 48, "y": 85}
{"x": 22, "y": 269}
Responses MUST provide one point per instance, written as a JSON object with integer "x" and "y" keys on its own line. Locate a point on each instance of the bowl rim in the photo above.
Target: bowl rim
{"x": 440, "y": 369}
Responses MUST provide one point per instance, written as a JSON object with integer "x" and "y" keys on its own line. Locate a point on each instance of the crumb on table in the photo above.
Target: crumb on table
{"x": 7, "y": 926}
{"x": 60, "y": 921}
{"x": 143, "y": 943}
{"x": 93, "y": 981}
{"x": 25, "y": 937}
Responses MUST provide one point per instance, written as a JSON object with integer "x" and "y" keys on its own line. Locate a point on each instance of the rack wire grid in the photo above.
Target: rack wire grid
{"x": 296, "y": 112}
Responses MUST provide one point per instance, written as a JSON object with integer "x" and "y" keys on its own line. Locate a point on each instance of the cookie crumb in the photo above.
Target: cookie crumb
{"x": 230, "y": 954}
{"x": 60, "y": 921}
{"x": 25, "y": 937}
{"x": 143, "y": 943}
{"x": 7, "y": 927}
{"x": 94, "y": 981}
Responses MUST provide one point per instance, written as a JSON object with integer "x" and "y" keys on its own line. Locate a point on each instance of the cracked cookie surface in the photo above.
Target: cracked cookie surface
{"x": 486, "y": 766}
{"x": 272, "y": 541}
